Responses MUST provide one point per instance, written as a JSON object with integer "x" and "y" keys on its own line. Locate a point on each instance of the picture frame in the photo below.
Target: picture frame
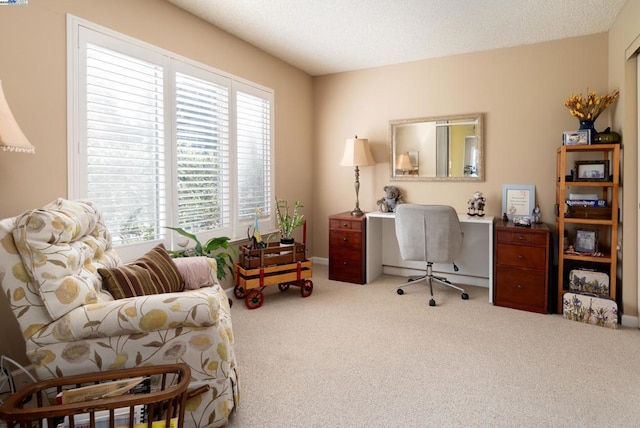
{"x": 577, "y": 138}
{"x": 591, "y": 170}
{"x": 586, "y": 241}
{"x": 518, "y": 200}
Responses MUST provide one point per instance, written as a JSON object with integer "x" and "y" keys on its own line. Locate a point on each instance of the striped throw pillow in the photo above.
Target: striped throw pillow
{"x": 154, "y": 273}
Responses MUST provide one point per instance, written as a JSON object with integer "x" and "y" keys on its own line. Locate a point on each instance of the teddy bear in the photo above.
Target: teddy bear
{"x": 391, "y": 199}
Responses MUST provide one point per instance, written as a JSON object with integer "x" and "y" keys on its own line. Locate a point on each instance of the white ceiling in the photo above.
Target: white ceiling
{"x": 330, "y": 36}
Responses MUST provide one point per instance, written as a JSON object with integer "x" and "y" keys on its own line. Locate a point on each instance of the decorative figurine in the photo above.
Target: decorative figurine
{"x": 537, "y": 215}
{"x": 391, "y": 199}
{"x": 476, "y": 204}
{"x": 505, "y": 217}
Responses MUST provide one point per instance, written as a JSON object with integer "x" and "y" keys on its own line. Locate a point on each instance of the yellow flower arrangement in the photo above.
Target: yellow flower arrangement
{"x": 590, "y": 108}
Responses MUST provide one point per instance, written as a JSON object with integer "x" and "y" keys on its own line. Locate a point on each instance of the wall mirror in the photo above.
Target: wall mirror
{"x": 446, "y": 148}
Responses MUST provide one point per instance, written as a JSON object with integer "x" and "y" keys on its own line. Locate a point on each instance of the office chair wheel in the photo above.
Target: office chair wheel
{"x": 465, "y": 296}
{"x": 307, "y": 288}
{"x": 254, "y": 299}
{"x": 400, "y": 291}
{"x": 432, "y": 302}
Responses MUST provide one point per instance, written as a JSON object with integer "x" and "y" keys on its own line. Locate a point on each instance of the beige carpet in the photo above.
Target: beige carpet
{"x": 363, "y": 356}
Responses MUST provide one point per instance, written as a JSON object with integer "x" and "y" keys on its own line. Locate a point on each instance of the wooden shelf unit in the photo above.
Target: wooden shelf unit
{"x": 608, "y": 240}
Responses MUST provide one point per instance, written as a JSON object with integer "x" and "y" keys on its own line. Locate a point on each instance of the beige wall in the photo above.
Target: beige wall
{"x": 521, "y": 90}
{"x": 624, "y": 38}
{"x": 33, "y": 73}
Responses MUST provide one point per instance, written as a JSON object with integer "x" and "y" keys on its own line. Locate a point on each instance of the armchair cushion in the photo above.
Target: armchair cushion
{"x": 61, "y": 246}
{"x": 154, "y": 273}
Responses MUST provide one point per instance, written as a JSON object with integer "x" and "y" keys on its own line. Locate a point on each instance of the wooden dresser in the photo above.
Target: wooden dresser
{"x": 522, "y": 267}
{"x": 347, "y": 248}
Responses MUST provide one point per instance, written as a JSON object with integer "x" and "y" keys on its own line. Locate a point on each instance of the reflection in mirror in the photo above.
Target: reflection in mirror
{"x": 447, "y": 148}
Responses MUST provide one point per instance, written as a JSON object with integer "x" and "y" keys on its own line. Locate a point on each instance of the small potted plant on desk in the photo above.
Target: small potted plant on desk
{"x": 288, "y": 221}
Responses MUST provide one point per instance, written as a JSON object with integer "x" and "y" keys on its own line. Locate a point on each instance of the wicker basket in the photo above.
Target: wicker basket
{"x": 165, "y": 407}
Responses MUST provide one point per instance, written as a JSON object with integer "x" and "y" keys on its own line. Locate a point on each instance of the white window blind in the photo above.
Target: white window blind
{"x": 254, "y": 154}
{"x": 158, "y": 140}
{"x": 125, "y": 144}
{"x": 203, "y": 165}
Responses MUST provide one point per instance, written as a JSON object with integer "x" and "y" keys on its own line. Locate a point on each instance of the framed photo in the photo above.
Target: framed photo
{"x": 586, "y": 241}
{"x": 597, "y": 170}
{"x": 576, "y": 138}
{"x": 518, "y": 200}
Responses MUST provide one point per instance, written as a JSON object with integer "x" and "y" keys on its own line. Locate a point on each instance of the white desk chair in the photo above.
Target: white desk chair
{"x": 432, "y": 234}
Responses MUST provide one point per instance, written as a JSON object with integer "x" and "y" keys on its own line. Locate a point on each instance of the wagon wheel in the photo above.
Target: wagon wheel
{"x": 254, "y": 299}
{"x": 307, "y": 288}
{"x": 283, "y": 286}
{"x": 239, "y": 292}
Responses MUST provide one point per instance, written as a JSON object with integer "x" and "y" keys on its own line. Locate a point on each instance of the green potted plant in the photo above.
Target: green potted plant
{"x": 288, "y": 220}
{"x": 217, "y": 248}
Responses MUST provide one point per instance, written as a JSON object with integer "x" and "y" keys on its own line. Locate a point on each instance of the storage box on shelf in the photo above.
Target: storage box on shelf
{"x": 602, "y": 220}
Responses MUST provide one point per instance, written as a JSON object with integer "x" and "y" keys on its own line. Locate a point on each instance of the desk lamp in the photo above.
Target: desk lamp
{"x": 11, "y": 136}
{"x": 357, "y": 153}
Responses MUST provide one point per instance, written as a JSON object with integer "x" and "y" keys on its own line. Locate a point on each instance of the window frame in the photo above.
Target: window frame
{"x": 78, "y": 32}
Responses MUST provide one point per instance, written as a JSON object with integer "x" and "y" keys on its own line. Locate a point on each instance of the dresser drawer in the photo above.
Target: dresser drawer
{"x": 346, "y": 265}
{"x": 523, "y": 237}
{"x": 521, "y": 256}
{"x": 521, "y": 289}
{"x": 336, "y": 223}
{"x": 345, "y": 239}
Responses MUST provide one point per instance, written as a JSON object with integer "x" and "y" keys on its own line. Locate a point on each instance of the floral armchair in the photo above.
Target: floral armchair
{"x": 51, "y": 261}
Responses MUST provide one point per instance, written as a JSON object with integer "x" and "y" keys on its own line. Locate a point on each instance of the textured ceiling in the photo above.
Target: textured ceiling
{"x": 330, "y": 36}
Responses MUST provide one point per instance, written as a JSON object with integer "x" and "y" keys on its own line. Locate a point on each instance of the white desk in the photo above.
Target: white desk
{"x": 475, "y": 262}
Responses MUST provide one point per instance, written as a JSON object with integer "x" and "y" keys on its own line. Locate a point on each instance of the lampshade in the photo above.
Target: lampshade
{"x": 403, "y": 162}
{"x": 11, "y": 136}
{"x": 357, "y": 153}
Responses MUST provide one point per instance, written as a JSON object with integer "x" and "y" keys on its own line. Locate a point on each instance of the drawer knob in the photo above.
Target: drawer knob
{"x": 519, "y": 285}
{"x": 520, "y": 237}
{"x": 345, "y": 224}
{"x": 520, "y": 256}
{"x": 344, "y": 263}
{"x": 345, "y": 239}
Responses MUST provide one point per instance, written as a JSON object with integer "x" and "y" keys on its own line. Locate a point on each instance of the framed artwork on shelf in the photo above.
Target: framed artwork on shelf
{"x": 586, "y": 241}
{"x": 518, "y": 200}
{"x": 592, "y": 170}
{"x": 577, "y": 138}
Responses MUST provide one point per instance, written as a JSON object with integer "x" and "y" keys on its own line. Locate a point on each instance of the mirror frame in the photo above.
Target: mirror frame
{"x": 478, "y": 117}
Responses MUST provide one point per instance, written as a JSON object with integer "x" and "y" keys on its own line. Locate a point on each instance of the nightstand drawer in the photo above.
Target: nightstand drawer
{"x": 521, "y": 256}
{"x": 346, "y": 265}
{"x": 344, "y": 239}
{"x": 520, "y": 289}
{"x": 523, "y": 237}
{"x": 345, "y": 224}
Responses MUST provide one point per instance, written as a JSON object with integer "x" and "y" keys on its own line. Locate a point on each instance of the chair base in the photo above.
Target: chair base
{"x": 429, "y": 278}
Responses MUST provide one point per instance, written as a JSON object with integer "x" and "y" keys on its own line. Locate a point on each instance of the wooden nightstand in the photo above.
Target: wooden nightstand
{"x": 347, "y": 248}
{"x": 522, "y": 267}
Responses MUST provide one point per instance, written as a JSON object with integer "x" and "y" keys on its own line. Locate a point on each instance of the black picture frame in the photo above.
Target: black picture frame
{"x": 591, "y": 170}
{"x": 586, "y": 241}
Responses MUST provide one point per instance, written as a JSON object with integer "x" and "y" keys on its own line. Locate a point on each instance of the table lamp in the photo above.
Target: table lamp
{"x": 11, "y": 136}
{"x": 403, "y": 163}
{"x": 357, "y": 153}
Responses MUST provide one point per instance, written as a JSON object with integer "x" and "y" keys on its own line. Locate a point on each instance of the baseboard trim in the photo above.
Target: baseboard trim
{"x": 630, "y": 321}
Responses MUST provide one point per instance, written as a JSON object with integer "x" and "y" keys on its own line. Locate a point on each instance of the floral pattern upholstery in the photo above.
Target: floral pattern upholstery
{"x": 100, "y": 333}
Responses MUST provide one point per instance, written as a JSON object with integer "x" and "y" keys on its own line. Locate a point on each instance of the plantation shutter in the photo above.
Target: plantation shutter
{"x": 254, "y": 153}
{"x": 125, "y": 144}
{"x": 203, "y": 165}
